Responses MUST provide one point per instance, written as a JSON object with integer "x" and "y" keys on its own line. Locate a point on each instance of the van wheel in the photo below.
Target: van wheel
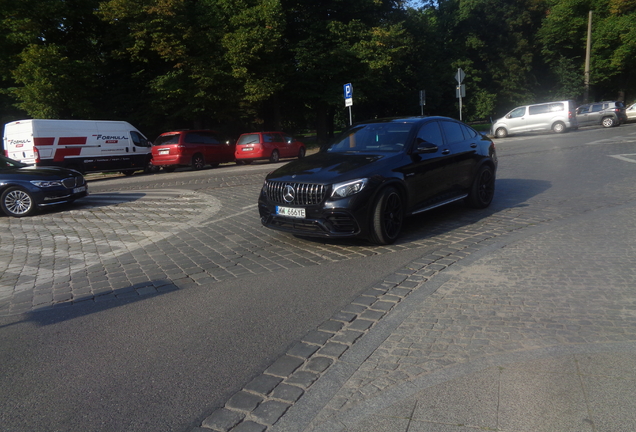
{"x": 608, "y": 122}
{"x": 275, "y": 157}
{"x": 17, "y": 202}
{"x": 482, "y": 190}
{"x": 558, "y": 127}
{"x": 387, "y": 217}
{"x": 197, "y": 162}
{"x": 501, "y": 133}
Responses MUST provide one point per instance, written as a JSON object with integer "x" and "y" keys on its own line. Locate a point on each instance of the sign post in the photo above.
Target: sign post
{"x": 422, "y": 100}
{"x": 460, "y": 90}
{"x": 348, "y": 97}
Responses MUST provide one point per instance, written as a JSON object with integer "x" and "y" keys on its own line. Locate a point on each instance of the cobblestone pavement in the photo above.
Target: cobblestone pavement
{"x": 138, "y": 242}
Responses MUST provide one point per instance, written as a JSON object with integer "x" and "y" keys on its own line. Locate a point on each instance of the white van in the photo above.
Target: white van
{"x": 83, "y": 145}
{"x": 557, "y": 116}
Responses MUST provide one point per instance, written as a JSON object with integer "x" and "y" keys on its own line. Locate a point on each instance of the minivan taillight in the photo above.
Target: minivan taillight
{"x": 570, "y": 115}
{"x": 36, "y": 153}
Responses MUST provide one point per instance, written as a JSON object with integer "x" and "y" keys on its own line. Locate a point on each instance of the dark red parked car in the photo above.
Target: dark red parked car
{"x": 195, "y": 148}
{"x": 268, "y": 145}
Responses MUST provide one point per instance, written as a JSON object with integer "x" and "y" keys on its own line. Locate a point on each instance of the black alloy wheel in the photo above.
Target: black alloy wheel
{"x": 482, "y": 190}
{"x": 387, "y": 217}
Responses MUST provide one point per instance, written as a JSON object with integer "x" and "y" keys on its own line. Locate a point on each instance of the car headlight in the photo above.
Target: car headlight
{"x": 345, "y": 189}
{"x": 46, "y": 183}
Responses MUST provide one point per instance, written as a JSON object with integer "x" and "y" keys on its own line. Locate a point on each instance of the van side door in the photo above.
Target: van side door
{"x": 516, "y": 120}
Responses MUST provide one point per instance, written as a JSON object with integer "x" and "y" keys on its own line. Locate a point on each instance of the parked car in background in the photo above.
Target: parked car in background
{"x": 376, "y": 173}
{"x": 268, "y": 145}
{"x": 630, "y": 112}
{"x": 25, "y": 188}
{"x": 556, "y": 116}
{"x": 607, "y": 113}
{"x": 194, "y": 148}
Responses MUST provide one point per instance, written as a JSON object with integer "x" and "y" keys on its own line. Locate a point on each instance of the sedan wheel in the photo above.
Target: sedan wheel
{"x": 483, "y": 189}
{"x": 608, "y": 122}
{"x": 387, "y": 217}
{"x": 17, "y": 202}
{"x": 275, "y": 157}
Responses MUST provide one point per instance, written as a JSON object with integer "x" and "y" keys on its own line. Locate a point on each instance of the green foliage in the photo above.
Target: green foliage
{"x": 247, "y": 64}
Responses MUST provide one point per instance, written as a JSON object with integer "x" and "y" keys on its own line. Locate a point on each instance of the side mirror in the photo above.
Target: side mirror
{"x": 507, "y": 116}
{"x": 424, "y": 146}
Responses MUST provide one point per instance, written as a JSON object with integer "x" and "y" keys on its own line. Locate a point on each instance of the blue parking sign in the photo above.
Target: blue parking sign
{"x": 348, "y": 91}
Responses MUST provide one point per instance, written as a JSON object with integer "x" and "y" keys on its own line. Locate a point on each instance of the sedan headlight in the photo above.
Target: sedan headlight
{"x": 343, "y": 190}
{"x": 46, "y": 183}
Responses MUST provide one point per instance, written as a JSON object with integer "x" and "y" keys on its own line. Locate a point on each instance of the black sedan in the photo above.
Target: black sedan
{"x": 25, "y": 188}
{"x": 375, "y": 173}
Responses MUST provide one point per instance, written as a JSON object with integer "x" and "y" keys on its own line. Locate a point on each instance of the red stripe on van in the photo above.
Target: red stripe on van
{"x": 71, "y": 140}
{"x": 43, "y": 141}
{"x": 61, "y": 153}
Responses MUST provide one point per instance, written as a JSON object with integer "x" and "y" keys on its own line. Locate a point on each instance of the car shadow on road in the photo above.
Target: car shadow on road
{"x": 509, "y": 194}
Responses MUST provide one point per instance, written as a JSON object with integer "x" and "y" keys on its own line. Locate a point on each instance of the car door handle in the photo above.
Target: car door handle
{"x": 445, "y": 152}
{"x": 473, "y": 145}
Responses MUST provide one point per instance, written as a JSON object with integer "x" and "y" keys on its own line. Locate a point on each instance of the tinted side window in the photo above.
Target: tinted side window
{"x": 452, "y": 131}
{"x": 538, "y": 109}
{"x": 430, "y": 132}
{"x": 556, "y": 107}
{"x": 210, "y": 138}
{"x": 269, "y": 138}
{"x": 469, "y": 132}
{"x": 597, "y": 107}
{"x": 583, "y": 109}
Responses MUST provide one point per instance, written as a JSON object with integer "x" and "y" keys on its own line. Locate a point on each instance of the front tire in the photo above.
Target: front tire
{"x": 482, "y": 190}
{"x": 501, "y": 132}
{"x": 387, "y": 217}
{"x": 17, "y": 202}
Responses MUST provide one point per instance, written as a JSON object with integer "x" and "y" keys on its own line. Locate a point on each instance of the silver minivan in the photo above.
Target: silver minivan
{"x": 556, "y": 116}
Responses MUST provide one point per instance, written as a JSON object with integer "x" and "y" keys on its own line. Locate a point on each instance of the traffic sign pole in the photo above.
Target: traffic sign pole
{"x": 460, "y": 89}
{"x": 348, "y": 97}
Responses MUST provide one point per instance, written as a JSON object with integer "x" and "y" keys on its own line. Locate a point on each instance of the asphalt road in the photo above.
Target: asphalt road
{"x": 164, "y": 362}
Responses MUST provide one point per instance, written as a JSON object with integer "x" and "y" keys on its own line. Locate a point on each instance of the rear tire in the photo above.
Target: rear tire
{"x": 608, "y": 122}
{"x": 387, "y": 217}
{"x": 17, "y": 202}
{"x": 482, "y": 190}
{"x": 558, "y": 127}
{"x": 198, "y": 162}
{"x": 275, "y": 157}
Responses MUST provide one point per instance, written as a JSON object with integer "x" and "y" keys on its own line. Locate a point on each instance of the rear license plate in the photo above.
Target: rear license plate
{"x": 79, "y": 189}
{"x": 247, "y": 149}
{"x": 164, "y": 151}
{"x": 290, "y": 211}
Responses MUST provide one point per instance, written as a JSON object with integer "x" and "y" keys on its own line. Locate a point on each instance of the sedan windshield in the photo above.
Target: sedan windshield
{"x": 372, "y": 138}
{"x": 6, "y": 163}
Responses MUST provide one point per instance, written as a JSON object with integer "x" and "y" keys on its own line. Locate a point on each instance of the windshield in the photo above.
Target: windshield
{"x": 6, "y": 163}
{"x": 372, "y": 138}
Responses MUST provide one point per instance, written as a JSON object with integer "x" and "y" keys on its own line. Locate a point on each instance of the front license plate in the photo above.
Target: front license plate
{"x": 164, "y": 151}
{"x": 290, "y": 211}
{"x": 79, "y": 189}
{"x": 247, "y": 149}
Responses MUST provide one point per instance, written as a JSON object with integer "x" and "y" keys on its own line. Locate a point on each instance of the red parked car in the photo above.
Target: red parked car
{"x": 195, "y": 148}
{"x": 267, "y": 145}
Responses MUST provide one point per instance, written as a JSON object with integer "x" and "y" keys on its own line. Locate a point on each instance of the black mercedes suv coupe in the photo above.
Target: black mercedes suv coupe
{"x": 367, "y": 180}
